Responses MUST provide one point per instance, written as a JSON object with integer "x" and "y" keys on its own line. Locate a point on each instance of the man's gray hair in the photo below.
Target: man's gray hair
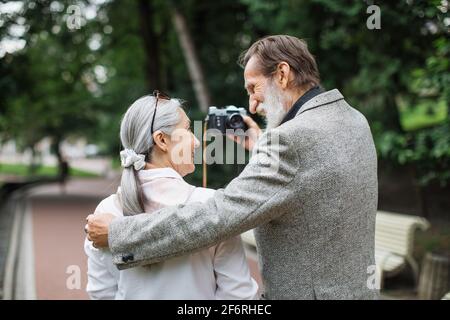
{"x": 272, "y": 50}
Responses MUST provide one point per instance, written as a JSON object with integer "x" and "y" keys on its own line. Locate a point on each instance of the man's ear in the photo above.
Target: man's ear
{"x": 283, "y": 74}
{"x": 160, "y": 140}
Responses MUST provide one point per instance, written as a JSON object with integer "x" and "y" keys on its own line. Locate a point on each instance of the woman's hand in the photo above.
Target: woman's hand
{"x": 251, "y": 135}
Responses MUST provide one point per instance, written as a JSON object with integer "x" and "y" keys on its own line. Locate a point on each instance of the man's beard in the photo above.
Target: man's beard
{"x": 273, "y": 106}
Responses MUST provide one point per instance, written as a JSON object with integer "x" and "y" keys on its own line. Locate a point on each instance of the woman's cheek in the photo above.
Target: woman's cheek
{"x": 188, "y": 165}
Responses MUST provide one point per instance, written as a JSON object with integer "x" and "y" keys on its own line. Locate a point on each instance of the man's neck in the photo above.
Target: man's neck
{"x": 294, "y": 95}
{"x": 301, "y": 99}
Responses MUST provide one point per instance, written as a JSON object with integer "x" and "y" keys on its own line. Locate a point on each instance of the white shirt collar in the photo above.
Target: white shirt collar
{"x": 151, "y": 174}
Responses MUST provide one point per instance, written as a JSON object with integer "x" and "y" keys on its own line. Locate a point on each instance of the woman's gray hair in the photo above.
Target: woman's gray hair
{"x": 136, "y": 137}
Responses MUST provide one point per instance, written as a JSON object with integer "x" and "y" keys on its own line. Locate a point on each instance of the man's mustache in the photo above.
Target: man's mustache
{"x": 261, "y": 110}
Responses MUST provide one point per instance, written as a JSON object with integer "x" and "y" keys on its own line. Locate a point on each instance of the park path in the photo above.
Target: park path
{"x": 58, "y": 217}
{"x": 56, "y": 259}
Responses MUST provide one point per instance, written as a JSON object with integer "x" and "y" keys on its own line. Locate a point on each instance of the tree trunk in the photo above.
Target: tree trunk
{"x": 34, "y": 165}
{"x": 190, "y": 54}
{"x": 391, "y": 115}
{"x": 151, "y": 45}
{"x": 63, "y": 165}
{"x": 421, "y": 192}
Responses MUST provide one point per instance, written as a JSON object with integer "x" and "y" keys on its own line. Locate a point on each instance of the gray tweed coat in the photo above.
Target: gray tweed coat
{"x": 310, "y": 190}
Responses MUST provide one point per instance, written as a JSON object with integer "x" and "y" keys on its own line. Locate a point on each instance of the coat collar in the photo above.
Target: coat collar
{"x": 321, "y": 99}
{"x": 308, "y": 95}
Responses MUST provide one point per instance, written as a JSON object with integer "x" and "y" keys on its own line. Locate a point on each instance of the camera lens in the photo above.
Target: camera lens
{"x": 235, "y": 121}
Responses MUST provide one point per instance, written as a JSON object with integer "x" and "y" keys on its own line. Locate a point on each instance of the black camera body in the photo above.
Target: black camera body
{"x": 230, "y": 117}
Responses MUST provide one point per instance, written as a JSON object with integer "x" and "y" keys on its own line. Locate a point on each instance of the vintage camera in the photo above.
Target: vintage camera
{"x": 230, "y": 117}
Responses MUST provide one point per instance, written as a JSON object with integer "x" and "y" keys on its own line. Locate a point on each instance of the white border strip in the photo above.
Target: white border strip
{"x": 8, "y": 283}
{"x": 19, "y": 282}
{"x": 26, "y": 282}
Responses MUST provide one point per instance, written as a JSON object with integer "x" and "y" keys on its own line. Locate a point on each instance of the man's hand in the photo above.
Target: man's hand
{"x": 98, "y": 228}
{"x": 251, "y": 135}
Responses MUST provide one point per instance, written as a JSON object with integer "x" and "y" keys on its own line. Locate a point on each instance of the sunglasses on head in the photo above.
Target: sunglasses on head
{"x": 158, "y": 95}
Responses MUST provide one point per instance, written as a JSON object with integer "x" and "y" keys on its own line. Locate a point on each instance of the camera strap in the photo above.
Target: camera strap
{"x": 204, "y": 167}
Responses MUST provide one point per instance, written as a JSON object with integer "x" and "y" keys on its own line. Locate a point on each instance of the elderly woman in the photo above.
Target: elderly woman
{"x": 158, "y": 153}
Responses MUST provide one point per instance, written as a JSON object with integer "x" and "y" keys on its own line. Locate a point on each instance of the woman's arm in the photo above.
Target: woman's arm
{"x": 102, "y": 275}
{"x": 232, "y": 274}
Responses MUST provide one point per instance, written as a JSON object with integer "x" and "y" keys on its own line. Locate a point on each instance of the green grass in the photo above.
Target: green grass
{"x": 425, "y": 114}
{"x": 115, "y": 163}
{"x": 44, "y": 171}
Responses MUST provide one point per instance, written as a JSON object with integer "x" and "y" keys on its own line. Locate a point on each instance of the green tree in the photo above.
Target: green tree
{"x": 375, "y": 69}
{"x": 54, "y": 78}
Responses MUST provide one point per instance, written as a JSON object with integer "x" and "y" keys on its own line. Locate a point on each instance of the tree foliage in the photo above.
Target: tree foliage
{"x": 66, "y": 82}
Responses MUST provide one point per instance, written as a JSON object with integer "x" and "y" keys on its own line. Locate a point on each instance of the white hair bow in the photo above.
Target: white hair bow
{"x": 130, "y": 158}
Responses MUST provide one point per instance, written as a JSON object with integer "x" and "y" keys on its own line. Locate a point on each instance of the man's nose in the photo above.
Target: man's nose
{"x": 253, "y": 105}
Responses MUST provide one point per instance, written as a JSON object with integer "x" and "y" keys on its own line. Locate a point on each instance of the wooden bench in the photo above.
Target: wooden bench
{"x": 394, "y": 242}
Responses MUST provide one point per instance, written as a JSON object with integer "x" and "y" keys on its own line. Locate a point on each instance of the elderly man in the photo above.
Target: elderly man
{"x": 312, "y": 200}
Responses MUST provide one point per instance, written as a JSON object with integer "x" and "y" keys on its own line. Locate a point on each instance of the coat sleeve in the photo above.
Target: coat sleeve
{"x": 259, "y": 194}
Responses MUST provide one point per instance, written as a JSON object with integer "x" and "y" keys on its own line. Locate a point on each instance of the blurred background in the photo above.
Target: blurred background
{"x": 70, "y": 69}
